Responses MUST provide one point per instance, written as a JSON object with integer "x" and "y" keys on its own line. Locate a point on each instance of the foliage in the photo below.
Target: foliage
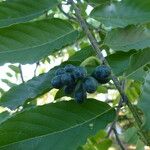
{"x": 58, "y": 39}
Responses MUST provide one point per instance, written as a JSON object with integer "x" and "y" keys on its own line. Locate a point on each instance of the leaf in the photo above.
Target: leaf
{"x": 37, "y": 86}
{"x": 122, "y": 13}
{"x": 63, "y": 125}
{"x": 98, "y": 142}
{"x": 16, "y": 11}
{"x": 31, "y": 89}
{"x": 30, "y": 42}
{"x": 97, "y": 2}
{"x": 4, "y": 116}
{"x": 138, "y": 60}
{"x": 144, "y": 102}
{"x": 128, "y": 38}
{"x": 119, "y": 61}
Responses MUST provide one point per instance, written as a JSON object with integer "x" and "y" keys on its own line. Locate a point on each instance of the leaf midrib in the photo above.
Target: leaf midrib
{"x": 23, "y": 49}
{"x": 56, "y": 132}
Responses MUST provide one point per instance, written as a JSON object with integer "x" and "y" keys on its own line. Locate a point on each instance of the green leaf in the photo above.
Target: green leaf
{"x": 138, "y": 60}
{"x": 63, "y": 125}
{"x": 144, "y": 102}
{"x": 37, "y": 86}
{"x": 119, "y": 61}
{"x": 97, "y": 2}
{"x": 128, "y": 38}
{"x": 4, "y": 116}
{"x": 30, "y": 42}
{"x": 98, "y": 142}
{"x": 15, "y": 11}
{"x": 123, "y": 13}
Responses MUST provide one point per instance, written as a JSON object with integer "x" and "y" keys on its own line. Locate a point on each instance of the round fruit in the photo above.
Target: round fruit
{"x": 60, "y": 71}
{"x": 79, "y": 73}
{"x": 80, "y": 93}
{"x": 69, "y": 68}
{"x": 67, "y": 79}
{"x": 90, "y": 84}
{"x": 69, "y": 89}
{"x": 102, "y": 73}
{"x": 56, "y": 82}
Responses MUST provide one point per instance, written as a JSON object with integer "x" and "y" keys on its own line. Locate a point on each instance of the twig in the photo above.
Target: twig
{"x": 118, "y": 109}
{"x": 21, "y": 74}
{"x": 118, "y": 139}
{"x": 37, "y": 64}
{"x": 67, "y": 15}
{"x": 97, "y": 50}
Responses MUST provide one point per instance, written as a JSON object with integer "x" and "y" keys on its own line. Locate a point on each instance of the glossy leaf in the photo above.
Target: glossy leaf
{"x": 144, "y": 102}
{"x": 30, "y": 42}
{"x": 16, "y": 11}
{"x": 133, "y": 37}
{"x": 62, "y": 125}
{"x": 123, "y": 13}
{"x": 138, "y": 60}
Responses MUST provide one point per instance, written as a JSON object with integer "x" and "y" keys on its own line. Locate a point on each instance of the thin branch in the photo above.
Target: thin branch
{"x": 118, "y": 109}
{"x": 36, "y": 67}
{"x": 118, "y": 139}
{"x": 21, "y": 74}
{"x": 97, "y": 50}
{"x": 66, "y": 14}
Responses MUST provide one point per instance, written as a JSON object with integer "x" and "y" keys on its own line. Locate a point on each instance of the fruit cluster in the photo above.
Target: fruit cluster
{"x": 76, "y": 81}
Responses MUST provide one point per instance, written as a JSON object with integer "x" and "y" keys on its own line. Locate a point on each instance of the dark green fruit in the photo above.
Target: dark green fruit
{"x": 102, "y": 73}
{"x": 67, "y": 79}
{"x": 60, "y": 71}
{"x": 80, "y": 93}
{"x": 69, "y": 68}
{"x": 90, "y": 84}
{"x": 69, "y": 89}
{"x": 56, "y": 82}
{"x": 79, "y": 73}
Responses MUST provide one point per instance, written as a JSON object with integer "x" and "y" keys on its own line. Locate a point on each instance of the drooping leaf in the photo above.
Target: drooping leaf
{"x": 63, "y": 125}
{"x": 133, "y": 37}
{"x": 123, "y": 13}
{"x": 138, "y": 60}
{"x": 119, "y": 61}
{"x": 30, "y": 42}
{"x": 15, "y": 11}
{"x": 37, "y": 86}
{"x": 144, "y": 102}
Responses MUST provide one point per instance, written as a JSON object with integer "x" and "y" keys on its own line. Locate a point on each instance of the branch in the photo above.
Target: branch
{"x": 97, "y": 50}
{"x": 21, "y": 73}
{"x": 118, "y": 139}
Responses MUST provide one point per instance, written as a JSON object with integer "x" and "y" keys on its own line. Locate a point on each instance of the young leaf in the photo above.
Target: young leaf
{"x": 30, "y": 42}
{"x": 15, "y": 11}
{"x": 123, "y": 13}
{"x": 63, "y": 125}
